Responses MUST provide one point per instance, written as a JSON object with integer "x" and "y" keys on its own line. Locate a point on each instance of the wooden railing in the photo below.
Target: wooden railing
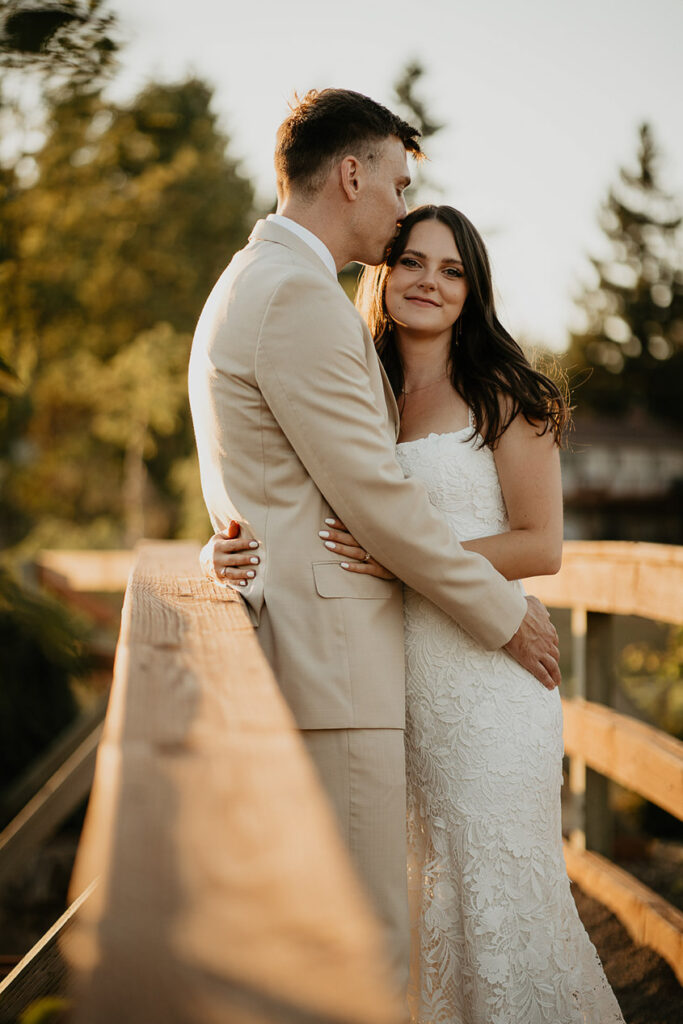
{"x": 223, "y": 892}
{"x": 218, "y": 888}
{"x": 598, "y": 581}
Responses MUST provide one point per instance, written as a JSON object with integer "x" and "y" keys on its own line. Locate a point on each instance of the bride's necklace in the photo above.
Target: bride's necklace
{"x": 423, "y": 386}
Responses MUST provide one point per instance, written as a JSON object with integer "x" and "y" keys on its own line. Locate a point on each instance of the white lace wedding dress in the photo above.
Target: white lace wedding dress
{"x": 496, "y": 936}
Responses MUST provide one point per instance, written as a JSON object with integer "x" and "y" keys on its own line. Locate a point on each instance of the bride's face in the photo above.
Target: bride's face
{"x": 427, "y": 287}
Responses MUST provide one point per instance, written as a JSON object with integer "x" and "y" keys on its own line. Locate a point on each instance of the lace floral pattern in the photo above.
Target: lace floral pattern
{"x": 496, "y": 935}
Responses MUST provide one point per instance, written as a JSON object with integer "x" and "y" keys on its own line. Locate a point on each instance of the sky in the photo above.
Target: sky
{"x": 541, "y": 102}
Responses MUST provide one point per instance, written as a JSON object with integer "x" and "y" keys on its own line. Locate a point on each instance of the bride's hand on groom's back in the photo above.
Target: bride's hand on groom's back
{"x": 339, "y": 541}
{"x": 228, "y": 557}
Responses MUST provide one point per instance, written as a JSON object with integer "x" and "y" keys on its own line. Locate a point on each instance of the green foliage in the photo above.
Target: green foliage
{"x": 50, "y": 1010}
{"x": 653, "y": 679}
{"x": 41, "y": 650}
{"x": 105, "y": 262}
{"x": 632, "y": 343}
{"x": 9, "y": 381}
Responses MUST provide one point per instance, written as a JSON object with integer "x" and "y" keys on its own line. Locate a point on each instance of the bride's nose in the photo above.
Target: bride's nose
{"x": 427, "y": 281}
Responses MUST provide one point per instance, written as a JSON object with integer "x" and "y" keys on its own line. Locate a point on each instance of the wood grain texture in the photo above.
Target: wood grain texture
{"x": 631, "y": 753}
{"x": 225, "y": 893}
{"x": 104, "y": 571}
{"x": 647, "y": 917}
{"x": 616, "y": 576}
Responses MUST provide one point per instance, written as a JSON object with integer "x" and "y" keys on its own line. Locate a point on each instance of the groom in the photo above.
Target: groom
{"x": 295, "y": 421}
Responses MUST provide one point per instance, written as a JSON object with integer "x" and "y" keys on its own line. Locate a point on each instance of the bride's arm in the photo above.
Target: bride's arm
{"x": 529, "y": 472}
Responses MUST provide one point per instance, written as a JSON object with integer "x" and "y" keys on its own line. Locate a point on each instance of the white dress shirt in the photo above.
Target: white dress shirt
{"x": 311, "y": 240}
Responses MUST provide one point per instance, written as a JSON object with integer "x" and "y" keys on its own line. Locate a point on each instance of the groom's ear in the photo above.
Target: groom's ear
{"x": 351, "y": 172}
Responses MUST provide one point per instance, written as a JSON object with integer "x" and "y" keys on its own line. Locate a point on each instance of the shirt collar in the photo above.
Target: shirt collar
{"x": 318, "y": 247}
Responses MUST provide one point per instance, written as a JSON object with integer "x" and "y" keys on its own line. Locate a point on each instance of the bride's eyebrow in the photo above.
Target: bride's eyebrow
{"x": 421, "y": 256}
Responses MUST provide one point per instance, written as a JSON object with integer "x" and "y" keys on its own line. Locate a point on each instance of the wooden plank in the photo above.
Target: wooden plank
{"x": 43, "y": 971}
{"x": 647, "y": 917}
{"x": 94, "y": 607}
{"x": 619, "y": 577}
{"x": 55, "y": 801}
{"x": 635, "y": 755}
{"x": 103, "y": 571}
{"x": 226, "y": 894}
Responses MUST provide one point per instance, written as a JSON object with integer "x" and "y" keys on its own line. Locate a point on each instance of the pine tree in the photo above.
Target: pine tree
{"x": 632, "y": 342}
{"x": 416, "y": 113}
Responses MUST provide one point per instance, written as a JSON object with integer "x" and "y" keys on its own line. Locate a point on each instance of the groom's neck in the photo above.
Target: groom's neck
{"x": 323, "y": 222}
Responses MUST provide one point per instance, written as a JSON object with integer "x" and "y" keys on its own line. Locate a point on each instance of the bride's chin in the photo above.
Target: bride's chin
{"x": 413, "y": 332}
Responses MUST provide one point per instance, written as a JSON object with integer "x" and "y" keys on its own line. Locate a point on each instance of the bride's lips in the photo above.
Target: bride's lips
{"x": 421, "y": 301}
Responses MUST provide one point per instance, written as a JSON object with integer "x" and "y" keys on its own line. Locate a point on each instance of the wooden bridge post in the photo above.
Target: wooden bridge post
{"x": 577, "y": 765}
{"x": 600, "y": 688}
{"x": 592, "y": 820}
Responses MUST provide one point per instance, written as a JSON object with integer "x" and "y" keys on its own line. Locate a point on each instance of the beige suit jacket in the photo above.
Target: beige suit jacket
{"x": 295, "y": 419}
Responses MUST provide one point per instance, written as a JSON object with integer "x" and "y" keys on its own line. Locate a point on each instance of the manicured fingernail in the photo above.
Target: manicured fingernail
{"x": 254, "y": 561}
{"x": 251, "y": 574}
{"x": 253, "y": 543}
{"x": 243, "y": 583}
{"x": 323, "y": 533}
{"x": 330, "y": 545}
{"x": 344, "y": 565}
{"x": 330, "y": 522}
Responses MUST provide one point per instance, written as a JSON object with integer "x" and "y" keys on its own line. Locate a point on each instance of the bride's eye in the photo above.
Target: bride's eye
{"x": 408, "y": 261}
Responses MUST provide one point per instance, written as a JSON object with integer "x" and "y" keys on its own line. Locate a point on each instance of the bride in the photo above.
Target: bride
{"x": 496, "y": 935}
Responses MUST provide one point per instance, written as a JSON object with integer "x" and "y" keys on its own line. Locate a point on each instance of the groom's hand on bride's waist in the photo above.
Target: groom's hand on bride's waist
{"x": 535, "y": 645}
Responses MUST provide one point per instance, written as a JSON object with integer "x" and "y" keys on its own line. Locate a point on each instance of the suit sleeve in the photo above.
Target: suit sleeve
{"x": 311, "y": 368}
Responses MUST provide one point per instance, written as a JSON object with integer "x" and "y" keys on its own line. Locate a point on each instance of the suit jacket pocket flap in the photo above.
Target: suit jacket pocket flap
{"x": 331, "y": 581}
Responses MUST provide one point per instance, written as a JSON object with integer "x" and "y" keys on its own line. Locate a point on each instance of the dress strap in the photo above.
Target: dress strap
{"x": 470, "y": 416}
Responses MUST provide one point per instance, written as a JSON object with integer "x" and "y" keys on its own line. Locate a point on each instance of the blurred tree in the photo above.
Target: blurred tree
{"x": 43, "y": 46}
{"x": 632, "y": 341}
{"x": 129, "y": 217}
{"x": 415, "y": 111}
{"x": 65, "y": 40}
{"x": 137, "y": 398}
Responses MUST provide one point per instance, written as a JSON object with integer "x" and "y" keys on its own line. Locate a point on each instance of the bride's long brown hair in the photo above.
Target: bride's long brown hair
{"x": 488, "y": 368}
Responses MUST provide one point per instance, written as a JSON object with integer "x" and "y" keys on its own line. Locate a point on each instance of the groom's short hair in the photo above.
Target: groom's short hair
{"x": 327, "y": 125}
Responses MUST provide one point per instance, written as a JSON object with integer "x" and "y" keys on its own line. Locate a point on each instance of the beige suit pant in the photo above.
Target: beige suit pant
{"x": 363, "y": 773}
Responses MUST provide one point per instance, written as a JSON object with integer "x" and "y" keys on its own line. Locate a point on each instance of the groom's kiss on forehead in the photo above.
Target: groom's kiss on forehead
{"x": 341, "y": 165}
